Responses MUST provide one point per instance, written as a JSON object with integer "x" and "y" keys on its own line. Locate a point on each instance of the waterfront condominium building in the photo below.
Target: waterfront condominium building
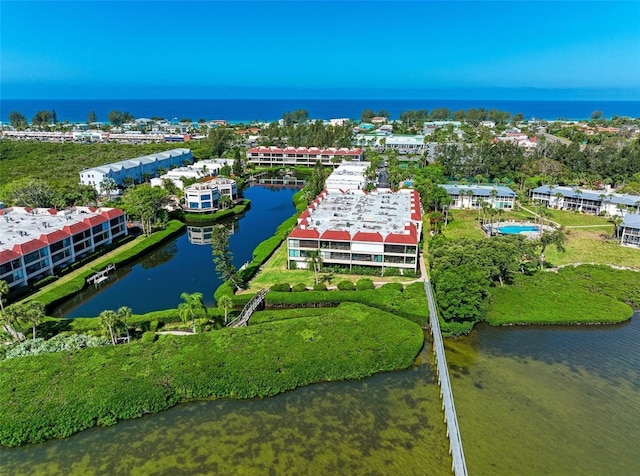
{"x": 377, "y": 229}
{"x": 630, "y": 231}
{"x": 473, "y": 196}
{"x": 137, "y": 169}
{"x": 585, "y": 200}
{"x": 204, "y": 197}
{"x": 292, "y": 156}
{"x": 36, "y": 242}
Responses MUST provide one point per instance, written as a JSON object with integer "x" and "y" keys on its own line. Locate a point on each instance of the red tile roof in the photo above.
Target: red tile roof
{"x": 336, "y": 235}
{"x": 76, "y": 228}
{"x": 52, "y": 211}
{"x": 29, "y": 246}
{"x": 305, "y": 150}
{"x": 54, "y": 236}
{"x": 401, "y": 239}
{"x": 306, "y": 233}
{"x": 367, "y": 236}
{"x": 113, "y": 213}
{"x": 8, "y": 255}
{"x": 304, "y": 214}
{"x": 96, "y": 220}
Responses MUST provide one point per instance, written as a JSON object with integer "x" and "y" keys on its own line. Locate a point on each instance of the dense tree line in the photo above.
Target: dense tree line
{"x": 310, "y": 134}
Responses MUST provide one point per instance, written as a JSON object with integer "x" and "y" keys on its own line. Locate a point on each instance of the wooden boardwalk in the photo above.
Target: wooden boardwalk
{"x": 459, "y": 465}
{"x": 249, "y": 308}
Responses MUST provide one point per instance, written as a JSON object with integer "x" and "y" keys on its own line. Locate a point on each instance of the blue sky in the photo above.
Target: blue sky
{"x": 458, "y": 49}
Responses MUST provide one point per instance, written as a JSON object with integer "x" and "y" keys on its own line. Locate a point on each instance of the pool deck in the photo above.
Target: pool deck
{"x": 495, "y": 230}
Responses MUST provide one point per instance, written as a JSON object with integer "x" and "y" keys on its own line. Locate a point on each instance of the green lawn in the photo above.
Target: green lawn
{"x": 464, "y": 223}
{"x": 566, "y": 218}
{"x": 591, "y": 245}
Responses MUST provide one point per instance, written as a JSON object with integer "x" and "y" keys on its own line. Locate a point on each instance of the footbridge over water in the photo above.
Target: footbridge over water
{"x": 249, "y": 308}
{"x": 459, "y": 465}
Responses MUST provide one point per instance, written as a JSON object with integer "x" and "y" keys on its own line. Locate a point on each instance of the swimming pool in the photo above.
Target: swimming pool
{"x": 516, "y": 229}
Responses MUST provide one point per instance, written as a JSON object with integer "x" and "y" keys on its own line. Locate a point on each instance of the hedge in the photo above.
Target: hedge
{"x": 56, "y": 395}
{"x": 219, "y": 215}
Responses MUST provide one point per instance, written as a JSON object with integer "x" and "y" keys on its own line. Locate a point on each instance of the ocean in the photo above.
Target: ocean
{"x": 245, "y": 110}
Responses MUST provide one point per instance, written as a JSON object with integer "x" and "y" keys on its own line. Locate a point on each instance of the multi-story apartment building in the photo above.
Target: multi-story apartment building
{"x": 137, "y": 169}
{"x": 380, "y": 230}
{"x": 292, "y": 156}
{"x": 36, "y": 242}
{"x": 205, "y": 196}
{"x": 473, "y": 196}
{"x": 585, "y": 200}
{"x": 630, "y": 231}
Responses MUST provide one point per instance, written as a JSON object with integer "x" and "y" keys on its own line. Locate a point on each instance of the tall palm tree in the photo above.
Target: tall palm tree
{"x": 315, "y": 262}
{"x": 226, "y": 303}
{"x": 191, "y": 306}
{"x": 124, "y": 313}
{"x": 108, "y": 320}
{"x": 9, "y": 318}
{"x": 34, "y": 315}
{"x": 558, "y": 196}
{"x": 4, "y": 290}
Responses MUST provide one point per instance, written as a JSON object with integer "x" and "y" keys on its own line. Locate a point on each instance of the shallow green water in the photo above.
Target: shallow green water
{"x": 530, "y": 401}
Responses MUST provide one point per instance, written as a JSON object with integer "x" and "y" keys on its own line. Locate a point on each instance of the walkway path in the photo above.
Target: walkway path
{"x": 542, "y": 218}
{"x": 459, "y": 465}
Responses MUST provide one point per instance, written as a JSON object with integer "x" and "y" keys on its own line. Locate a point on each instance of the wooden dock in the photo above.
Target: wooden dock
{"x": 101, "y": 276}
{"x": 459, "y": 465}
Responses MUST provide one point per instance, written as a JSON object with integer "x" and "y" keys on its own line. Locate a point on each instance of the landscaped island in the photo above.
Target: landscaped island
{"x": 103, "y": 385}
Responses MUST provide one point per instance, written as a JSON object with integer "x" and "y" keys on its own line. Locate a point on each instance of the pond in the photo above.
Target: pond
{"x": 184, "y": 264}
{"x": 530, "y": 401}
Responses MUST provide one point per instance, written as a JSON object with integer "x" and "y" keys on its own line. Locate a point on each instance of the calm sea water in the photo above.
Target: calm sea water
{"x": 273, "y": 109}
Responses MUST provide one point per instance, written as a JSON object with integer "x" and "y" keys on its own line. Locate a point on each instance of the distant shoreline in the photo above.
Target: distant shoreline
{"x": 249, "y": 110}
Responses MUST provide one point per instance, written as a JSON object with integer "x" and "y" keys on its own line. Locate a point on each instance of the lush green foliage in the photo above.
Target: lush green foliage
{"x": 219, "y": 215}
{"x": 364, "y": 284}
{"x": 281, "y": 288}
{"x": 346, "y": 285}
{"x": 58, "y": 343}
{"x": 56, "y": 395}
{"x": 583, "y": 295}
{"x": 299, "y": 288}
{"x": 409, "y": 302}
{"x": 148, "y": 337}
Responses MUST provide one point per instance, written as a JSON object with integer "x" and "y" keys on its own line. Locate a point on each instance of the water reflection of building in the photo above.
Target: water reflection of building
{"x": 201, "y": 235}
{"x": 286, "y": 181}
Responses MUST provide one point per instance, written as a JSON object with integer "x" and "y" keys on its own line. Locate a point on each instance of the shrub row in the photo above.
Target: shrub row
{"x": 56, "y": 395}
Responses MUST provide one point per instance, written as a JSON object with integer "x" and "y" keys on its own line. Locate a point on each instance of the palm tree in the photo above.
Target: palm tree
{"x": 108, "y": 320}
{"x": 4, "y": 290}
{"x": 315, "y": 261}
{"x": 34, "y": 314}
{"x": 226, "y": 303}
{"x": 9, "y": 318}
{"x": 191, "y": 306}
{"x": 558, "y": 196}
{"x": 124, "y": 313}
{"x": 617, "y": 221}
{"x": 224, "y": 201}
{"x": 579, "y": 195}
{"x": 494, "y": 194}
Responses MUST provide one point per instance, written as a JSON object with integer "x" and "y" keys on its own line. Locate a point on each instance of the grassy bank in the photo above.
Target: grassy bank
{"x": 582, "y": 295}
{"x": 56, "y": 395}
{"x": 75, "y": 281}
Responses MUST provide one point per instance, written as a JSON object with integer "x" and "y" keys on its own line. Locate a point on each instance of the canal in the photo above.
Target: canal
{"x": 156, "y": 280}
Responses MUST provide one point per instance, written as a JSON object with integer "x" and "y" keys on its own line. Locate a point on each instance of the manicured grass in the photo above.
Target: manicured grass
{"x": 582, "y": 295}
{"x": 210, "y": 218}
{"x": 588, "y": 245}
{"x": 566, "y": 218}
{"x": 56, "y": 395}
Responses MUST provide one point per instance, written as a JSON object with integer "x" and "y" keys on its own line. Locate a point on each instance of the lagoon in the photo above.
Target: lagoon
{"x": 156, "y": 280}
